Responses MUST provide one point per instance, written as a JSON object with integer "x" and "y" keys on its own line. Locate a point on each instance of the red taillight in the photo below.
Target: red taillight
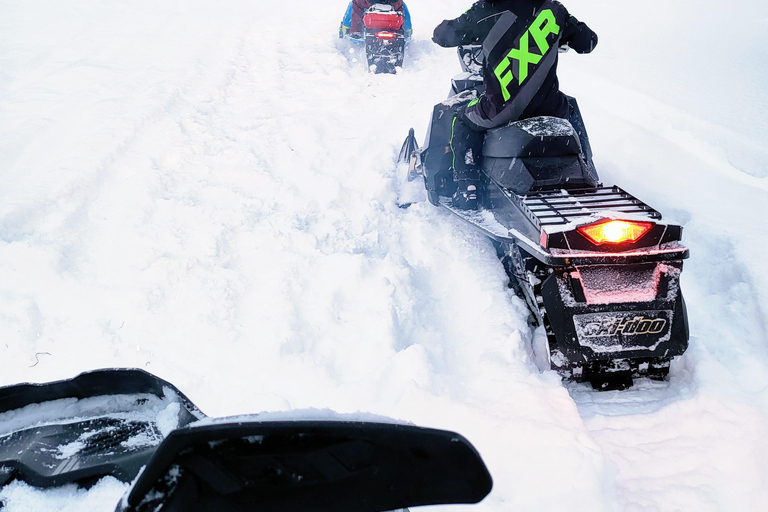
{"x": 615, "y": 231}
{"x": 543, "y": 239}
{"x": 386, "y": 35}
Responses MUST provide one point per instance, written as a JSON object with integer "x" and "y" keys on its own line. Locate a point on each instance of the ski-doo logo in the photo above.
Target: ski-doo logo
{"x": 544, "y": 25}
{"x": 628, "y": 326}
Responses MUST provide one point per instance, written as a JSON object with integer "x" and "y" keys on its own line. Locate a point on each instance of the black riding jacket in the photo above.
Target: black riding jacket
{"x": 520, "y": 67}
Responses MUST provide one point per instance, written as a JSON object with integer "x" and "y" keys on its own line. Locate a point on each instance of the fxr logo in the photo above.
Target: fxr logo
{"x": 544, "y": 25}
{"x": 628, "y": 326}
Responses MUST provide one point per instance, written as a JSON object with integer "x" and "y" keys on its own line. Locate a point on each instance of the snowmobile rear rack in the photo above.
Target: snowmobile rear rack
{"x": 542, "y": 223}
{"x": 552, "y": 208}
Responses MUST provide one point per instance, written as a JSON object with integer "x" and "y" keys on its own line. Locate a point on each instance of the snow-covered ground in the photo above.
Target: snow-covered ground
{"x": 207, "y": 191}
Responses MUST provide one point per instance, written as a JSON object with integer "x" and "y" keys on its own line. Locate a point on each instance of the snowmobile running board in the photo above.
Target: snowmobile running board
{"x": 537, "y": 221}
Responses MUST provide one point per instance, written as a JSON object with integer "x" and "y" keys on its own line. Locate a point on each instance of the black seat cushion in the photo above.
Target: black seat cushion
{"x": 535, "y": 137}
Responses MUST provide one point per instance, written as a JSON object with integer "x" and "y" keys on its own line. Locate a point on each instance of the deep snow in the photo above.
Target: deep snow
{"x": 208, "y": 192}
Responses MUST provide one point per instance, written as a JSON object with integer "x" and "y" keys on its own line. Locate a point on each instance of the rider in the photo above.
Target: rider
{"x": 352, "y": 24}
{"x": 520, "y": 41}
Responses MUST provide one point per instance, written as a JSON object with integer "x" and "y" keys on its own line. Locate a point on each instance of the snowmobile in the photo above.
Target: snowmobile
{"x": 142, "y": 430}
{"x": 384, "y": 36}
{"x": 595, "y": 265}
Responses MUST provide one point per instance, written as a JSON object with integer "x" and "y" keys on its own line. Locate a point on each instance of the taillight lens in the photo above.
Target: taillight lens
{"x": 386, "y": 35}
{"x": 615, "y": 231}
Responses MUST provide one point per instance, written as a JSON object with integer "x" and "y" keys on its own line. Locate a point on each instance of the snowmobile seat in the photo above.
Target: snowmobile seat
{"x": 540, "y": 153}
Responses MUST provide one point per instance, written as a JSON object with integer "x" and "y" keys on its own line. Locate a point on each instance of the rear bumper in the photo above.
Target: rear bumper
{"x": 635, "y": 332}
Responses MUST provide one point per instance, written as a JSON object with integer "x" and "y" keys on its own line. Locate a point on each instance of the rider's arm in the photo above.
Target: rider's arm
{"x": 469, "y": 28}
{"x": 578, "y": 36}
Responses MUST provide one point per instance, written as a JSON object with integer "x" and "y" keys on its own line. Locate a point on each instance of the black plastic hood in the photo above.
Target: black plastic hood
{"x": 307, "y": 466}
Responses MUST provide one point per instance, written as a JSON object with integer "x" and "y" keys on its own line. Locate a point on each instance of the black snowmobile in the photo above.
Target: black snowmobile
{"x": 385, "y": 38}
{"x": 142, "y": 430}
{"x": 595, "y": 265}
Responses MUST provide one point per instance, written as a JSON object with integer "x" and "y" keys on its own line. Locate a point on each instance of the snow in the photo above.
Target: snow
{"x": 545, "y": 126}
{"x": 604, "y": 285}
{"x": 138, "y": 407}
{"x": 207, "y": 191}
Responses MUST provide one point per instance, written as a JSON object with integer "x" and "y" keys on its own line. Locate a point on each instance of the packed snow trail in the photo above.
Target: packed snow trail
{"x": 209, "y": 194}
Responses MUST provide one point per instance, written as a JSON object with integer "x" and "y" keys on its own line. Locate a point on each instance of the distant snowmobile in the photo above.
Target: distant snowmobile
{"x": 385, "y": 35}
{"x": 142, "y": 430}
{"x": 593, "y": 263}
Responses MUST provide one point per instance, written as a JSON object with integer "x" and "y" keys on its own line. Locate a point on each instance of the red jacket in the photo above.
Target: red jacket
{"x": 359, "y": 7}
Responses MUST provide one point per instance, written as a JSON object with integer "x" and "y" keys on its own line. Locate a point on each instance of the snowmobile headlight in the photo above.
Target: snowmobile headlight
{"x": 615, "y": 231}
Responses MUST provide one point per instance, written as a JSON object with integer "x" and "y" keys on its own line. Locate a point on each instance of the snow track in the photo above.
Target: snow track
{"x": 209, "y": 193}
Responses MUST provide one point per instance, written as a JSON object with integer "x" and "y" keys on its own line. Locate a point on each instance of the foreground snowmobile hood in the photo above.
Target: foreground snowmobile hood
{"x": 125, "y": 422}
{"x": 309, "y": 467}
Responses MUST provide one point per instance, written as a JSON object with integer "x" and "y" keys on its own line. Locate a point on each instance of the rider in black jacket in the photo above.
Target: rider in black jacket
{"x": 520, "y": 41}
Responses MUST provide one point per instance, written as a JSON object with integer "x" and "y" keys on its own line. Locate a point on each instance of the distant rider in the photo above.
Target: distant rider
{"x": 352, "y": 24}
{"x": 520, "y": 47}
